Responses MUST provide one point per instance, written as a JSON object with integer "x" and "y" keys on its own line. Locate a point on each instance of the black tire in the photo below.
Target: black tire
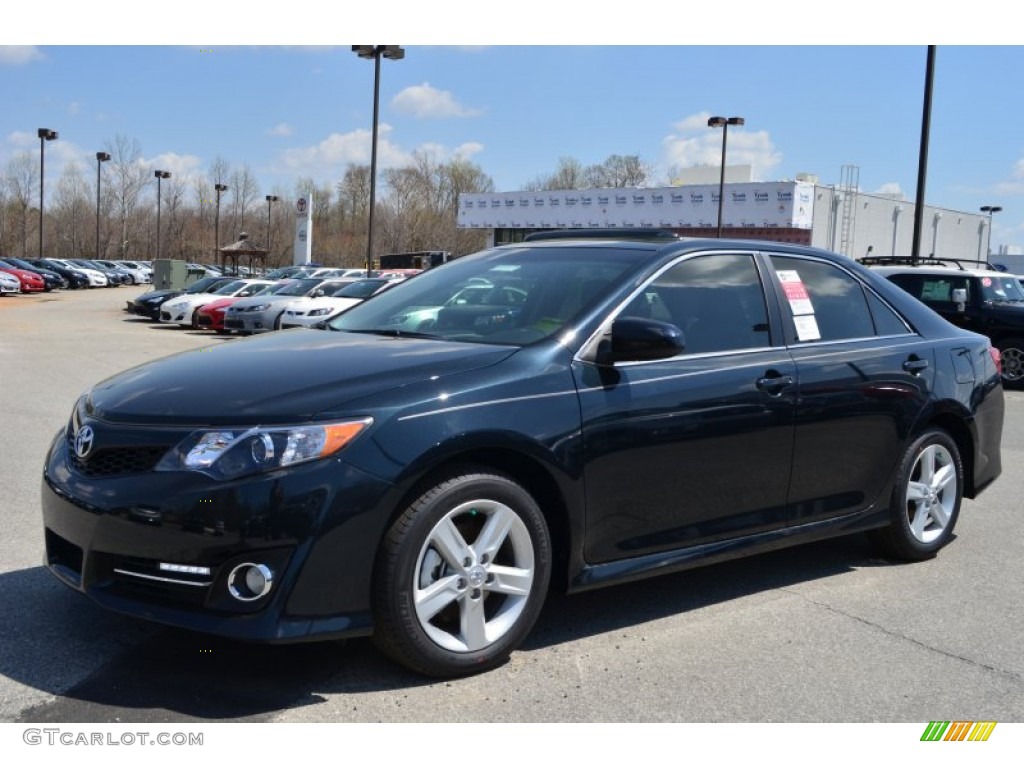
{"x": 925, "y": 500}
{"x": 1012, "y": 353}
{"x": 502, "y": 587}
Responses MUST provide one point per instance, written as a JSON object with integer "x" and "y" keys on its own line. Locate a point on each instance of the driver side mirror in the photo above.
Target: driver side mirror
{"x": 960, "y": 298}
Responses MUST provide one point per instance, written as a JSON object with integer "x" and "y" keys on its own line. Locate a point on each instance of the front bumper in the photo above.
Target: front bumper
{"x": 164, "y": 546}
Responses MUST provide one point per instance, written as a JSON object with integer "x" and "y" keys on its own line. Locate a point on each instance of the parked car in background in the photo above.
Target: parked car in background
{"x": 136, "y": 275}
{"x": 651, "y": 405}
{"x": 97, "y": 278}
{"x": 210, "y": 317}
{"x": 116, "y": 277}
{"x": 264, "y": 311}
{"x": 9, "y": 284}
{"x": 316, "y": 308}
{"x": 29, "y": 282}
{"x": 971, "y": 296}
{"x": 51, "y": 279}
{"x": 75, "y": 278}
{"x": 181, "y": 310}
{"x": 149, "y": 303}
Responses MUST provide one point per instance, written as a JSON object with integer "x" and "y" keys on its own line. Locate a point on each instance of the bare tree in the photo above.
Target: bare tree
{"x": 22, "y": 178}
{"x": 126, "y": 176}
{"x": 244, "y": 189}
{"x": 72, "y": 214}
{"x": 618, "y": 171}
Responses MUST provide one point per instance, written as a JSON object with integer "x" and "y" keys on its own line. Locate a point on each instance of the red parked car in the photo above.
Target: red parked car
{"x": 31, "y": 282}
{"x": 211, "y": 316}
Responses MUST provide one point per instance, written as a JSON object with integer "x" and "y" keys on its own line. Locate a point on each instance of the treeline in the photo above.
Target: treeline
{"x": 417, "y": 207}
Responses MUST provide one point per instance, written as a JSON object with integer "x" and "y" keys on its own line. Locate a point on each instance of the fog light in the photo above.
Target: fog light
{"x": 250, "y": 581}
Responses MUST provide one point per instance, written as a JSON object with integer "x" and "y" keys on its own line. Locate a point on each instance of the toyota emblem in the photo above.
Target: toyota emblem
{"x": 83, "y": 442}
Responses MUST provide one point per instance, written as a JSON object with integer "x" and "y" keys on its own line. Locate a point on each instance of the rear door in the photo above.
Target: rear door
{"x": 864, "y": 378}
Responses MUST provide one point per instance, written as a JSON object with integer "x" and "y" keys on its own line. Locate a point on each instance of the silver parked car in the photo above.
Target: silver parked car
{"x": 258, "y": 314}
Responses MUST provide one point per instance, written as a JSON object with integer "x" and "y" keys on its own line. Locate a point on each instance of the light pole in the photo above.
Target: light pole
{"x": 45, "y": 135}
{"x": 270, "y": 199}
{"x": 990, "y": 209}
{"x": 375, "y": 52}
{"x": 216, "y": 224}
{"x": 101, "y": 157}
{"x": 723, "y": 123}
{"x": 160, "y": 176}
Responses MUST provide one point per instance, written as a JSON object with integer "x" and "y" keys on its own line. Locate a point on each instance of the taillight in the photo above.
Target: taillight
{"x": 997, "y": 359}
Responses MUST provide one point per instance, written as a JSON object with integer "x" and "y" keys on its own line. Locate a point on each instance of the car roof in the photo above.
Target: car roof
{"x": 938, "y": 270}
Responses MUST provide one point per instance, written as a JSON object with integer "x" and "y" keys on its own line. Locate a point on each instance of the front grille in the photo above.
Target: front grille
{"x": 121, "y": 460}
{"x": 204, "y": 320}
{"x": 232, "y": 322}
{"x": 165, "y": 315}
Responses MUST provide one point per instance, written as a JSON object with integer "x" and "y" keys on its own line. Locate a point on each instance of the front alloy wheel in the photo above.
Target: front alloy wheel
{"x": 462, "y": 576}
{"x": 926, "y": 501}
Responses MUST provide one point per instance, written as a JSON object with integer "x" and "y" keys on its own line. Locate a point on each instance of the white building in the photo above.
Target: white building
{"x": 842, "y": 219}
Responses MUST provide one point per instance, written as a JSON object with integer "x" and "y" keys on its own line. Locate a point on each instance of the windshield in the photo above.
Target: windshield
{"x": 298, "y": 287}
{"x": 503, "y": 296}
{"x": 359, "y": 290}
{"x": 201, "y": 286}
{"x": 1002, "y": 288}
{"x": 231, "y": 288}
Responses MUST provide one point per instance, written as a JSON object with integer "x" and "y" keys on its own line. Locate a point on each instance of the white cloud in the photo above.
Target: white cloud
{"x": 330, "y": 156}
{"x": 281, "y": 129}
{"x": 890, "y": 188}
{"x": 467, "y": 150}
{"x": 429, "y": 102}
{"x": 19, "y": 54}
{"x": 74, "y": 108}
{"x": 185, "y": 167}
{"x": 693, "y": 144}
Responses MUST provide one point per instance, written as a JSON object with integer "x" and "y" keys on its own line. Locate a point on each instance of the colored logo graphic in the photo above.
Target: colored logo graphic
{"x": 958, "y": 731}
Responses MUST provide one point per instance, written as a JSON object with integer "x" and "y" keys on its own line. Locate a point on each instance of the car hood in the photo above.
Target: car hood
{"x": 279, "y": 378}
{"x": 159, "y": 296}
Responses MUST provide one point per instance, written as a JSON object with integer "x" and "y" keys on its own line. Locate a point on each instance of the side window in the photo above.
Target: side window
{"x": 887, "y": 322}
{"x": 717, "y": 301}
{"x": 825, "y": 302}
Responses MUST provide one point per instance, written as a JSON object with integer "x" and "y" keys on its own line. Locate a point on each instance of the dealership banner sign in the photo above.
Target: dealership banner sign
{"x": 756, "y": 204}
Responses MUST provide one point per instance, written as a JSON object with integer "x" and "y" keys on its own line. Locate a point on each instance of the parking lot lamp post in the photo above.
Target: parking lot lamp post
{"x": 160, "y": 176}
{"x": 45, "y": 135}
{"x": 723, "y": 123}
{"x": 216, "y": 224}
{"x": 375, "y": 52}
{"x": 101, "y": 157}
{"x": 270, "y": 199}
{"x": 990, "y": 209}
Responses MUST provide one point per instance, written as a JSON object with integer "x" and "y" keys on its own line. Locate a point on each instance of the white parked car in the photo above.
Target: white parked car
{"x": 140, "y": 273}
{"x": 308, "y": 311}
{"x": 96, "y": 278}
{"x": 9, "y": 283}
{"x": 182, "y": 309}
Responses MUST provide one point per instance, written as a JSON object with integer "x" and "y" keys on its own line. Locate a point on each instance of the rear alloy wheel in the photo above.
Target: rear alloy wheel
{"x": 1011, "y": 351}
{"x": 462, "y": 576}
{"x": 926, "y": 499}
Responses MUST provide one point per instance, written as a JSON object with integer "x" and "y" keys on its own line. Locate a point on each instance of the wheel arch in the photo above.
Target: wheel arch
{"x": 531, "y": 473}
{"x": 957, "y": 428}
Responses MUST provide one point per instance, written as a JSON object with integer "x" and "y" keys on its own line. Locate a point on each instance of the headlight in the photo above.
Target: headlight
{"x": 230, "y": 453}
{"x": 318, "y": 312}
{"x": 259, "y": 308}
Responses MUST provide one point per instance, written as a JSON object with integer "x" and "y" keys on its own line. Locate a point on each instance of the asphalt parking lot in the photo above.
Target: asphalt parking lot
{"x": 821, "y": 633}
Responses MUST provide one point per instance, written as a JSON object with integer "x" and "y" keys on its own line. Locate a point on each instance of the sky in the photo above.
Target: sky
{"x": 514, "y": 87}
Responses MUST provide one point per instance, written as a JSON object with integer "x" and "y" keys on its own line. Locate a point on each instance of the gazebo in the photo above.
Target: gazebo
{"x": 242, "y": 247}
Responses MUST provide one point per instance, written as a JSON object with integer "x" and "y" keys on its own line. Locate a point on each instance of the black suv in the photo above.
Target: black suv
{"x": 992, "y": 301}
{"x": 607, "y": 408}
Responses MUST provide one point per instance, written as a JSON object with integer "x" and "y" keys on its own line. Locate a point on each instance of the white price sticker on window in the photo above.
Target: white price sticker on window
{"x": 796, "y": 293}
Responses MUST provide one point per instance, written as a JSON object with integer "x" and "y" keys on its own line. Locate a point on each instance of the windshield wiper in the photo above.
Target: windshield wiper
{"x": 391, "y": 332}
